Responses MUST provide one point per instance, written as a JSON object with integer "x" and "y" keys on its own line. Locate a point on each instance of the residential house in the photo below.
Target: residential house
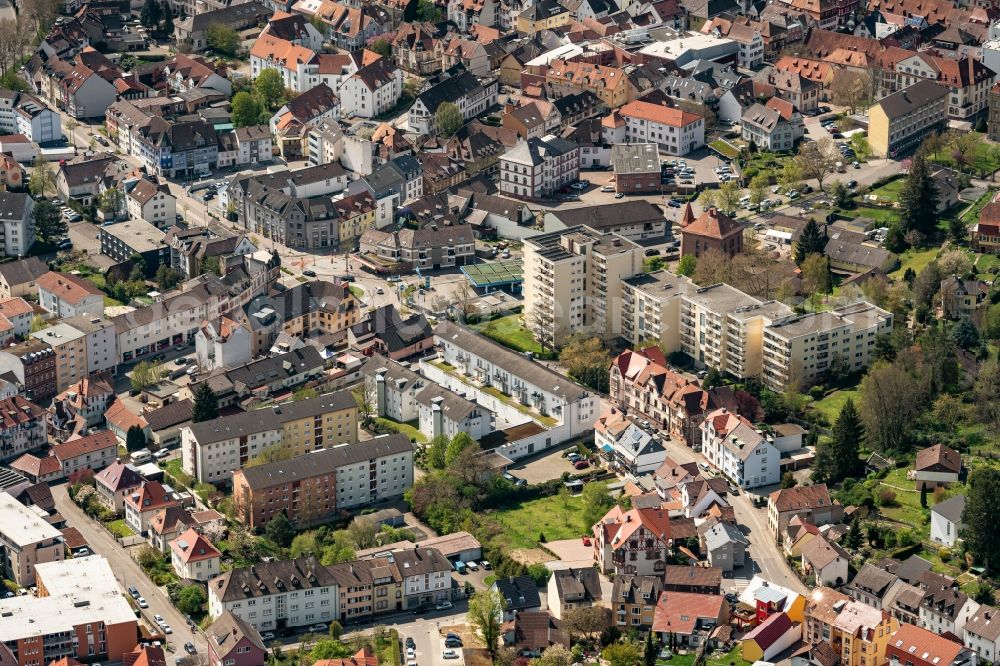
{"x": 723, "y": 544}
{"x": 521, "y": 594}
{"x": 532, "y": 632}
{"x": 689, "y": 617}
{"x": 26, "y": 541}
{"x": 395, "y": 388}
{"x": 565, "y": 77}
{"x": 116, "y": 482}
{"x": 17, "y": 278}
{"x": 235, "y": 642}
{"x": 91, "y": 452}
{"x": 297, "y": 65}
{"x": 826, "y": 560}
{"x": 166, "y": 525}
{"x": 810, "y": 503}
{"x": 177, "y": 149}
{"x": 636, "y": 541}
{"x": 946, "y": 520}
{"x": 431, "y": 247}
{"x": 626, "y": 446}
{"x": 82, "y": 180}
{"x": 944, "y": 608}
{"x": 937, "y": 466}
{"x": 770, "y": 638}
{"x": 194, "y": 557}
{"x": 152, "y": 203}
{"x": 985, "y": 233}
{"x": 194, "y": 29}
{"x": 737, "y": 449}
{"x": 147, "y": 500}
{"x": 573, "y": 588}
{"x": 634, "y": 600}
{"x": 442, "y": 412}
{"x": 675, "y": 131}
{"x": 712, "y": 231}
{"x": 982, "y": 633}
{"x": 542, "y": 15}
{"x": 22, "y": 427}
{"x": 922, "y": 647}
{"x": 775, "y": 126}
{"x": 961, "y": 299}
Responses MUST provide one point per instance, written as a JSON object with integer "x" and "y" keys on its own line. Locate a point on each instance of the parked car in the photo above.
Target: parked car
{"x": 318, "y": 627}
{"x": 410, "y": 643}
{"x": 267, "y": 636}
{"x": 452, "y": 642}
{"x": 159, "y": 619}
{"x": 581, "y": 464}
{"x": 379, "y": 290}
{"x": 674, "y": 203}
{"x": 161, "y": 454}
{"x": 703, "y": 466}
{"x": 472, "y": 566}
{"x": 443, "y": 605}
{"x": 586, "y": 541}
{"x": 620, "y": 195}
{"x": 142, "y": 603}
{"x": 309, "y": 273}
{"x": 851, "y": 184}
{"x": 133, "y": 591}
{"x": 486, "y": 564}
{"x": 190, "y": 648}
{"x": 607, "y": 188}
{"x": 449, "y": 654}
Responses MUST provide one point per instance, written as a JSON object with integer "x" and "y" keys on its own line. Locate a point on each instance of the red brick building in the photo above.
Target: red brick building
{"x": 713, "y": 230}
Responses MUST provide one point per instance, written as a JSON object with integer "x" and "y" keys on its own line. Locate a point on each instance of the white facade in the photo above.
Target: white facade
{"x": 265, "y": 612}
{"x": 23, "y": 114}
{"x": 392, "y": 476}
{"x": 943, "y": 530}
{"x": 435, "y": 421}
{"x": 300, "y": 76}
{"x": 982, "y": 635}
{"x": 160, "y": 210}
{"x": 734, "y": 447}
{"x": 215, "y": 462}
{"x": 940, "y": 623}
{"x": 397, "y": 399}
{"x": 537, "y": 168}
{"x": 18, "y": 223}
{"x": 358, "y": 98}
{"x": 215, "y": 350}
{"x": 674, "y": 131}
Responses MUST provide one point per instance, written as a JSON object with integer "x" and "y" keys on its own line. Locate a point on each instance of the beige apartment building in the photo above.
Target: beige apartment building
{"x": 310, "y": 425}
{"x": 572, "y": 282}
{"x": 721, "y": 327}
{"x": 804, "y": 347}
{"x": 26, "y": 539}
{"x": 70, "y": 346}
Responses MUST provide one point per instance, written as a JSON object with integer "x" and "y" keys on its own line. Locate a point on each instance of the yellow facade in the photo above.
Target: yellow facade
{"x": 867, "y": 646}
{"x": 323, "y": 431}
{"x": 529, "y": 27}
{"x": 878, "y": 131}
{"x": 351, "y": 228}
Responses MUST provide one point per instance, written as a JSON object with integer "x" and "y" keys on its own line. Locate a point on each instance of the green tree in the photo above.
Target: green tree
{"x": 555, "y": 655}
{"x": 111, "y": 201}
{"x": 191, "y": 599}
{"x": 625, "y": 653}
{"x": 981, "y": 530}
{"x": 436, "y": 452}
{"x": 167, "y": 27}
{"x": 841, "y": 195}
{"x": 458, "y": 443}
{"x": 485, "y": 614}
{"x": 144, "y": 375}
{"x": 816, "y": 278}
{"x": 919, "y": 197}
{"x": 587, "y": 360}
{"x": 816, "y": 159}
{"x": 811, "y": 241}
{"x": 280, "y": 530}
{"x": 758, "y": 188}
{"x": 270, "y": 89}
{"x": 329, "y": 649}
{"x": 427, "y": 10}
{"x": 206, "y": 404}
{"x": 381, "y": 46}
{"x": 596, "y": 500}
{"x": 837, "y": 458}
{"x": 135, "y": 438}
{"x": 38, "y": 323}
{"x": 246, "y": 109}
{"x": 859, "y": 142}
{"x": 895, "y": 240}
{"x": 788, "y": 480}
{"x": 966, "y": 335}
{"x": 49, "y": 223}
{"x": 223, "y": 39}
{"x": 653, "y": 264}
{"x": 649, "y": 651}
{"x": 167, "y": 278}
{"x": 687, "y": 265}
{"x": 448, "y": 119}
{"x": 149, "y": 16}
{"x": 336, "y": 630}
{"x": 729, "y": 196}
{"x": 891, "y": 400}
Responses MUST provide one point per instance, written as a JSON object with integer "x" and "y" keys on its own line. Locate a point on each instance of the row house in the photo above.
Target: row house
{"x": 178, "y": 149}
{"x": 415, "y": 48}
{"x": 349, "y": 27}
{"x": 825, "y": 14}
{"x": 626, "y": 446}
{"x": 922, "y": 647}
{"x": 468, "y": 13}
{"x": 736, "y": 448}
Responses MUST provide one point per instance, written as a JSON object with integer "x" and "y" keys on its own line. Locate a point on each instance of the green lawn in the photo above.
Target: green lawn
{"x": 409, "y": 428}
{"x": 831, "y": 405}
{"x": 915, "y": 259}
{"x": 357, "y": 291}
{"x": 734, "y": 656}
{"x": 555, "y": 517}
{"x": 120, "y": 529}
{"x": 985, "y": 158}
{"x": 907, "y": 509}
{"x": 509, "y": 332}
{"x": 111, "y": 302}
{"x": 984, "y": 264}
{"x": 890, "y": 191}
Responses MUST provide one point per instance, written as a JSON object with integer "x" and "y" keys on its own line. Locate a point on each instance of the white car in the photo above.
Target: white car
{"x": 472, "y": 566}
{"x": 161, "y": 454}
{"x": 142, "y": 602}
{"x": 159, "y": 620}
{"x": 166, "y": 629}
{"x": 267, "y": 636}
{"x": 449, "y": 654}
{"x": 608, "y": 188}
{"x": 443, "y": 605}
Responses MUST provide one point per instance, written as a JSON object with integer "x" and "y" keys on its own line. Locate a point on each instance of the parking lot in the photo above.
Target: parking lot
{"x": 544, "y": 467}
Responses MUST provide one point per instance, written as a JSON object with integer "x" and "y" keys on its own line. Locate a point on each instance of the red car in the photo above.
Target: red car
{"x": 586, "y": 541}
{"x": 581, "y": 464}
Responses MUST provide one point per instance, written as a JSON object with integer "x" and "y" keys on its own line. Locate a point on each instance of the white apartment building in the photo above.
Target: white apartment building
{"x": 23, "y": 114}
{"x": 26, "y": 539}
{"x": 676, "y": 132}
{"x": 395, "y": 388}
{"x": 521, "y": 390}
{"x": 651, "y": 307}
{"x": 372, "y": 90}
{"x": 537, "y": 168}
{"x": 982, "y": 633}
{"x": 803, "y": 348}
{"x": 152, "y": 203}
{"x": 464, "y": 91}
{"x": 298, "y": 66}
{"x": 101, "y": 341}
{"x": 572, "y": 282}
{"x": 292, "y": 593}
{"x": 194, "y": 557}
{"x": 426, "y": 575}
{"x": 212, "y": 450}
{"x": 446, "y": 413}
{"x": 17, "y": 225}
{"x": 739, "y": 451}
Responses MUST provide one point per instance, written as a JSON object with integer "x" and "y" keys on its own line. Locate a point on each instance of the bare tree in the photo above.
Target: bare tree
{"x": 536, "y": 321}
{"x": 363, "y": 532}
{"x": 849, "y": 89}
{"x": 817, "y": 159}
{"x": 366, "y": 398}
{"x": 40, "y": 15}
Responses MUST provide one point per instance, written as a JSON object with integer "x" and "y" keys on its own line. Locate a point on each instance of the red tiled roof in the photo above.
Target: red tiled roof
{"x": 36, "y": 466}
{"x": 911, "y": 641}
{"x": 67, "y": 287}
{"x": 98, "y": 441}
{"x": 150, "y": 497}
{"x": 801, "y": 497}
{"x": 770, "y": 630}
{"x": 363, "y": 657}
{"x": 192, "y": 547}
{"x": 73, "y": 538}
{"x": 939, "y": 454}
{"x": 13, "y": 307}
{"x": 713, "y": 223}
{"x": 656, "y": 113}
{"x": 679, "y": 612}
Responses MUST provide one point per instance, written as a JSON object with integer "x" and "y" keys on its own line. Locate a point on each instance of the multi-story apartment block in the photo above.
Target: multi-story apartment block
{"x": 736, "y": 448}
{"x": 70, "y": 347}
{"x": 776, "y": 125}
{"x": 567, "y": 77}
{"x": 194, "y": 557}
{"x": 145, "y": 502}
{"x": 468, "y": 13}
{"x": 573, "y": 282}
{"x": 426, "y": 575}
{"x": 465, "y": 91}
{"x": 26, "y": 539}
{"x": 23, "y": 114}
{"x": 944, "y": 608}
{"x": 100, "y": 341}
{"x": 177, "y": 149}
{"x": 298, "y": 65}
{"x": 34, "y": 364}
{"x": 651, "y": 307}
{"x": 313, "y": 487}
{"x": 676, "y": 132}
{"x": 23, "y": 427}
{"x": 18, "y": 224}
{"x": 289, "y": 593}
{"x": 812, "y": 504}
{"x": 213, "y": 450}
{"x": 372, "y": 90}
{"x": 79, "y": 613}
{"x": 801, "y": 349}
{"x": 153, "y": 203}
{"x": 967, "y": 80}
{"x": 899, "y": 122}
{"x": 633, "y": 601}
{"x": 993, "y": 114}
{"x": 116, "y": 482}
{"x": 317, "y": 423}
{"x": 537, "y": 168}
{"x": 434, "y": 246}
{"x": 862, "y": 633}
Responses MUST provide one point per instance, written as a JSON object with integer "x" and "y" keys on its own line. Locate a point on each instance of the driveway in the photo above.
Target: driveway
{"x": 572, "y": 553}
{"x": 547, "y": 466}
{"x": 127, "y": 571}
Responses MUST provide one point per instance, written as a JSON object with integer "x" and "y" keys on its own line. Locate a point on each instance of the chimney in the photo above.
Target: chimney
{"x": 380, "y": 391}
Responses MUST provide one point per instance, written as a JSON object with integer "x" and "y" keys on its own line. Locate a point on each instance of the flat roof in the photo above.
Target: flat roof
{"x": 29, "y": 616}
{"x": 58, "y": 334}
{"x": 139, "y": 235}
{"x": 494, "y": 273}
{"x": 78, "y": 573}
{"x": 22, "y": 526}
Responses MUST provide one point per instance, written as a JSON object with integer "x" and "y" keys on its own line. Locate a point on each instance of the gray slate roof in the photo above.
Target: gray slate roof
{"x": 951, "y": 509}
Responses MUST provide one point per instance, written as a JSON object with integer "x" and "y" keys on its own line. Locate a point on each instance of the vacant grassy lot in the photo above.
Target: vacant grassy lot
{"x": 907, "y": 507}
{"x": 915, "y": 259}
{"x": 509, "y": 332}
{"x": 409, "y": 428}
{"x": 554, "y": 517}
{"x": 890, "y": 191}
{"x": 831, "y": 405}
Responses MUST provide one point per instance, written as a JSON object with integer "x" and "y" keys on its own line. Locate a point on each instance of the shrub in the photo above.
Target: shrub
{"x": 887, "y": 497}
